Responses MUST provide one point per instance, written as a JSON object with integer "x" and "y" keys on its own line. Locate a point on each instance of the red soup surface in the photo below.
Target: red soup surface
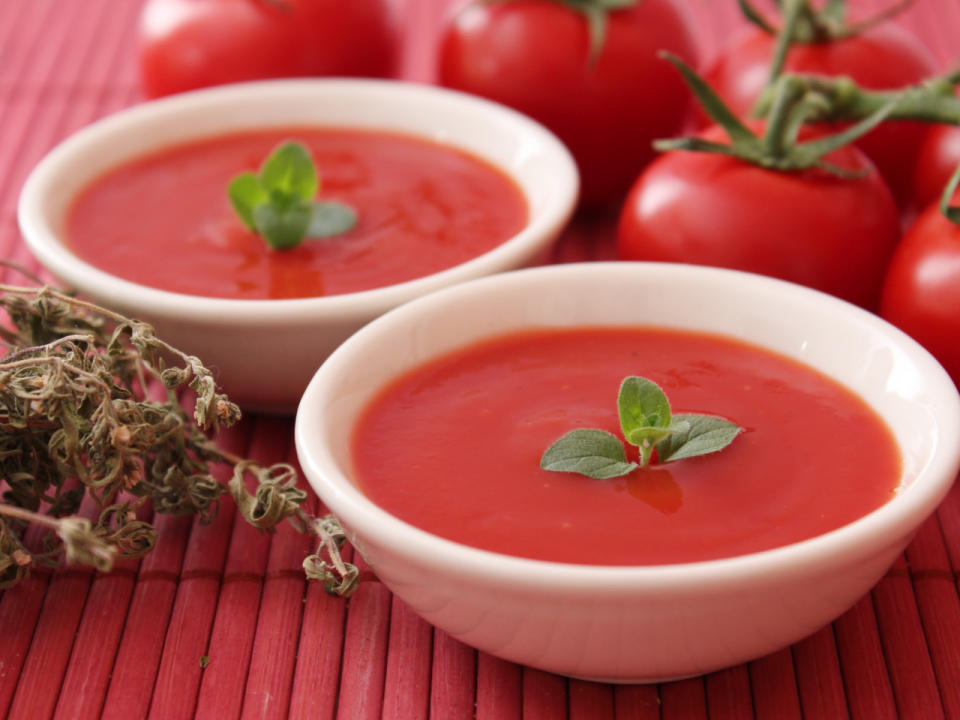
{"x": 454, "y": 447}
{"x": 164, "y": 220}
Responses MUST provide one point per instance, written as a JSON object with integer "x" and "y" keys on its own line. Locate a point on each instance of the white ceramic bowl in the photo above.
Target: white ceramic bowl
{"x": 246, "y": 340}
{"x": 637, "y": 623}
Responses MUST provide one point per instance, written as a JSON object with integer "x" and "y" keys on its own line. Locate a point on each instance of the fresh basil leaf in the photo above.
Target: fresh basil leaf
{"x": 245, "y": 193}
{"x": 595, "y": 453}
{"x": 330, "y": 218}
{"x": 705, "y": 434}
{"x": 289, "y": 170}
{"x": 282, "y": 229}
{"x": 642, "y": 404}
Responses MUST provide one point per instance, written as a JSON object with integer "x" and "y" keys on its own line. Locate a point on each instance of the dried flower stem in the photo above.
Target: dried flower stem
{"x": 74, "y": 422}
{"x": 81, "y": 545}
{"x": 277, "y": 496}
{"x": 338, "y": 577}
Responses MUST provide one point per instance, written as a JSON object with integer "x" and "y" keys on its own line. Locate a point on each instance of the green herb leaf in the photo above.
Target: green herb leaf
{"x": 648, "y": 436}
{"x": 595, "y": 453}
{"x": 702, "y": 435}
{"x": 644, "y": 414}
{"x": 245, "y": 193}
{"x": 642, "y": 404}
{"x": 289, "y": 171}
{"x": 278, "y": 202}
{"x": 330, "y": 218}
{"x": 646, "y": 421}
{"x": 282, "y": 228}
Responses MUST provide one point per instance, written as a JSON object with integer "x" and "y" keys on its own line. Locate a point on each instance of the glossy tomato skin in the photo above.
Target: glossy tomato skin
{"x": 936, "y": 159}
{"x": 810, "y": 227}
{"x": 921, "y": 292}
{"x": 881, "y": 58}
{"x": 188, "y": 44}
{"x": 533, "y": 55}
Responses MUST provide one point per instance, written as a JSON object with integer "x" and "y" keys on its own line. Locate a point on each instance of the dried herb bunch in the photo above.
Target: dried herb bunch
{"x": 75, "y": 421}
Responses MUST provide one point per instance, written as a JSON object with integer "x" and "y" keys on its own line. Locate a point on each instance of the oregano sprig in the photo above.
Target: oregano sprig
{"x": 75, "y": 423}
{"x": 278, "y": 202}
{"x": 647, "y": 422}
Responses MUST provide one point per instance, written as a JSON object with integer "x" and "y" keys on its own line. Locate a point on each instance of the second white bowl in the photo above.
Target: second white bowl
{"x": 646, "y": 622}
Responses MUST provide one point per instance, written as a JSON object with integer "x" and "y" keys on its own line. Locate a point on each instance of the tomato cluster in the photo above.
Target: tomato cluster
{"x": 590, "y": 70}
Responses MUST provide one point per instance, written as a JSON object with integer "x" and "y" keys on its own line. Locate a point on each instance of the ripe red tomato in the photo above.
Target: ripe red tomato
{"x": 921, "y": 292}
{"x": 809, "y": 226}
{"x": 187, "y": 44}
{"x": 936, "y": 159}
{"x": 881, "y": 58}
{"x": 534, "y": 55}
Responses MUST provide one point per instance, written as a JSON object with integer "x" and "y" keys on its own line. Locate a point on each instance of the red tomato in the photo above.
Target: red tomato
{"x": 811, "y": 227}
{"x": 936, "y": 159}
{"x": 187, "y": 44}
{"x": 921, "y": 293}
{"x": 881, "y": 58}
{"x": 534, "y": 55}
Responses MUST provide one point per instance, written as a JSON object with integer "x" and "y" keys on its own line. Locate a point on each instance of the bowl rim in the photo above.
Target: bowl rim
{"x": 904, "y": 512}
{"x": 42, "y": 240}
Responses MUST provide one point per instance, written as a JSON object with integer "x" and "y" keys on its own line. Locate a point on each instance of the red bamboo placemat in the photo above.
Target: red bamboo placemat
{"x": 76, "y": 644}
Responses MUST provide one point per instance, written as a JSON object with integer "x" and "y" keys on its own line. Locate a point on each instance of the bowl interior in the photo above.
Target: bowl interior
{"x": 518, "y": 146}
{"x": 887, "y": 369}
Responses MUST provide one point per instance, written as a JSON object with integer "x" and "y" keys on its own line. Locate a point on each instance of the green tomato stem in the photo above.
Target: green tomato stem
{"x": 874, "y": 20}
{"x": 787, "y": 35}
{"x": 951, "y": 213}
{"x": 791, "y": 104}
{"x": 782, "y": 126}
{"x": 827, "y": 24}
{"x": 751, "y": 14}
{"x": 842, "y": 99}
{"x": 805, "y": 25}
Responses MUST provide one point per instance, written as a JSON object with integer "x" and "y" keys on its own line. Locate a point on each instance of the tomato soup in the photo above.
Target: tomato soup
{"x": 165, "y": 220}
{"x": 453, "y": 447}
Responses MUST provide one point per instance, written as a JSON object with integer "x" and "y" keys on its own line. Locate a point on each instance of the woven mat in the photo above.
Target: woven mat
{"x": 74, "y": 644}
